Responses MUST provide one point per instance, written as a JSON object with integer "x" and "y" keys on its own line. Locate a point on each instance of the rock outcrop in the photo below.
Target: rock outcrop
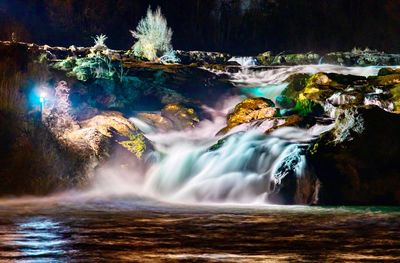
{"x": 357, "y": 161}
{"x": 248, "y": 110}
{"x": 172, "y": 117}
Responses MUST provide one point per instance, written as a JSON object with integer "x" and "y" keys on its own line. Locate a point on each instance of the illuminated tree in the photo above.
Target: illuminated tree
{"x": 153, "y": 36}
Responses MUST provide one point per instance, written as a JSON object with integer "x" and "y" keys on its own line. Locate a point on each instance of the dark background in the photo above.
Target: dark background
{"x": 236, "y": 26}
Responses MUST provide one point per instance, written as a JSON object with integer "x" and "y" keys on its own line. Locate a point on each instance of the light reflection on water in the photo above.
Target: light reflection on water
{"x": 38, "y": 239}
{"x": 122, "y": 229}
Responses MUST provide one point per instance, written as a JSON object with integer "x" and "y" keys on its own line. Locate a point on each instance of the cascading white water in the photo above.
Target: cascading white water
{"x": 252, "y": 78}
{"x": 244, "y": 61}
{"x": 244, "y": 169}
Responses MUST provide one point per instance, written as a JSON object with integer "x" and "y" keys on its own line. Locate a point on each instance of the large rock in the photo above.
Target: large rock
{"x": 357, "y": 161}
{"x": 249, "y": 110}
{"x": 172, "y": 117}
{"x": 202, "y": 57}
{"x": 359, "y": 57}
{"x": 267, "y": 59}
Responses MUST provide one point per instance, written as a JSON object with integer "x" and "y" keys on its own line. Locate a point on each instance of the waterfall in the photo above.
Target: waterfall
{"x": 277, "y": 75}
{"x": 244, "y": 61}
{"x": 245, "y": 169}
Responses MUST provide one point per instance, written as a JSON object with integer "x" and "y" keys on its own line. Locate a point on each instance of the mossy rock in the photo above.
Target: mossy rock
{"x": 180, "y": 116}
{"x": 136, "y": 144}
{"x": 321, "y": 86}
{"x": 306, "y": 107}
{"x": 251, "y": 109}
{"x": 297, "y": 82}
{"x": 265, "y": 58}
{"x": 388, "y": 71}
{"x": 301, "y": 58}
{"x": 395, "y": 92}
{"x": 285, "y": 102}
{"x": 387, "y": 80}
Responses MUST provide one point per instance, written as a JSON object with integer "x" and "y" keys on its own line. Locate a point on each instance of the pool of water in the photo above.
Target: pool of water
{"x": 99, "y": 229}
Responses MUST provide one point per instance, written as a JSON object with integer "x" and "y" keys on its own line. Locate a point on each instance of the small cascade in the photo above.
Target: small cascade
{"x": 242, "y": 168}
{"x": 256, "y": 77}
{"x": 244, "y": 61}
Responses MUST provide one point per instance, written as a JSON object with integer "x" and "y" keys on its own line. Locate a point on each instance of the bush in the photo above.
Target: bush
{"x": 153, "y": 36}
{"x": 100, "y": 42}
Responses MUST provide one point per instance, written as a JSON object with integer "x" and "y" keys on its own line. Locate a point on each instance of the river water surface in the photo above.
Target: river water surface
{"x": 140, "y": 230}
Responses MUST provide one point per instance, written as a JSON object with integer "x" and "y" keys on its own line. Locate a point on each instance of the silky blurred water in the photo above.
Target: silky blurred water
{"x": 139, "y": 230}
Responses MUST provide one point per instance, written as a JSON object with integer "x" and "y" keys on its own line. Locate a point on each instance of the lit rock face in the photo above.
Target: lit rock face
{"x": 104, "y": 129}
{"x": 93, "y": 139}
{"x": 249, "y": 110}
{"x": 172, "y": 117}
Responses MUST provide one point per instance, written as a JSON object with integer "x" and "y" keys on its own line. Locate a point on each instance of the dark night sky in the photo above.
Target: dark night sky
{"x": 235, "y": 26}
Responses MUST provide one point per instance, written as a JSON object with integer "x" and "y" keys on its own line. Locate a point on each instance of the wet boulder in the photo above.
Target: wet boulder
{"x": 172, "y": 117}
{"x": 395, "y": 93}
{"x": 202, "y": 57}
{"x": 285, "y": 102}
{"x": 358, "y": 57}
{"x": 296, "y": 59}
{"x": 265, "y": 58}
{"x": 181, "y": 117}
{"x": 113, "y": 128}
{"x": 296, "y": 83}
{"x": 356, "y": 162}
{"x": 249, "y": 110}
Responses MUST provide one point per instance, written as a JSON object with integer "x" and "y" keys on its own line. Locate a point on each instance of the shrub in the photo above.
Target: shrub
{"x": 100, "y": 42}
{"x": 153, "y": 36}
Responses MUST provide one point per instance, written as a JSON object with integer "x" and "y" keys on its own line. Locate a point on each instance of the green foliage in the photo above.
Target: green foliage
{"x": 66, "y": 64}
{"x": 96, "y": 66}
{"x": 153, "y": 36}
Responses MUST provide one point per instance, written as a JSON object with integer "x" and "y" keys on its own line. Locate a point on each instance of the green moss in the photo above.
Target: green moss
{"x": 387, "y": 80}
{"x": 136, "y": 144}
{"x": 250, "y": 109}
{"x": 388, "y": 71}
{"x": 395, "y": 92}
{"x": 265, "y": 58}
{"x": 218, "y": 144}
{"x": 314, "y": 148}
{"x": 304, "y": 106}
